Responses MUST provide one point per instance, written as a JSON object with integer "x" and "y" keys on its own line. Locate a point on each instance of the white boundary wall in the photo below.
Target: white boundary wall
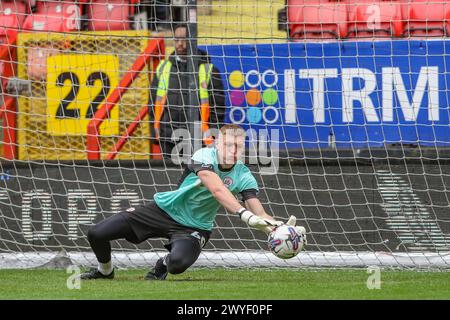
{"x": 237, "y": 259}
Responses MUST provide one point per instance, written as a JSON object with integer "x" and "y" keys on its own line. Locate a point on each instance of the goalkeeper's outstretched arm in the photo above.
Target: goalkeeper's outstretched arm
{"x": 255, "y": 215}
{"x": 259, "y": 219}
{"x": 255, "y": 206}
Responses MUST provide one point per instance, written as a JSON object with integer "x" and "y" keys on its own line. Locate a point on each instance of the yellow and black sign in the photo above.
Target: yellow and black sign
{"x": 77, "y": 85}
{"x": 51, "y": 122}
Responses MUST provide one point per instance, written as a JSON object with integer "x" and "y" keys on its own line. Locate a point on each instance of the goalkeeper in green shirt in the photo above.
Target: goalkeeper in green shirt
{"x": 186, "y": 215}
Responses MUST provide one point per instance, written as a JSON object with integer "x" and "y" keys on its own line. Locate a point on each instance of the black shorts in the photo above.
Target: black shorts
{"x": 150, "y": 221}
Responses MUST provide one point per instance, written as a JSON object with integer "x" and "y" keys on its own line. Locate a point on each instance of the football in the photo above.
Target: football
{"x": 285, "y": 242}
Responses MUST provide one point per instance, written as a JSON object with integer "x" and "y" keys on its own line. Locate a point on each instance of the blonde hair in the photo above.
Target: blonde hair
{"x": 233, "y": 129}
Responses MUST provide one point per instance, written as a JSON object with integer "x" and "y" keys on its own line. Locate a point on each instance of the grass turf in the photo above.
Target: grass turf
{"x": 229, "y": 284}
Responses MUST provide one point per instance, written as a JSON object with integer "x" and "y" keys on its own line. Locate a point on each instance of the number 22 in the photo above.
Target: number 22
{"x": 63, "y": 111}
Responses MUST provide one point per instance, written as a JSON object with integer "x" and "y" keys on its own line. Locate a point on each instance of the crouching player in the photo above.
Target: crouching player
{"x": 186, "y": 215}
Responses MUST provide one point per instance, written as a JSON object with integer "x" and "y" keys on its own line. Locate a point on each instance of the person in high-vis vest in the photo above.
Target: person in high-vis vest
{"x": 170, "y": 95}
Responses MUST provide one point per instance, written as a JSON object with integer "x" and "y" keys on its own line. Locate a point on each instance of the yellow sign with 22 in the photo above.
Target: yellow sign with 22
{"x": 77, "y": 85}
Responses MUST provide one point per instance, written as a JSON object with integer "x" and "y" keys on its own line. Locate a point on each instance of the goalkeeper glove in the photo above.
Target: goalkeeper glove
{"x": 300, "y": 230}
{"x": 257, "y": 222}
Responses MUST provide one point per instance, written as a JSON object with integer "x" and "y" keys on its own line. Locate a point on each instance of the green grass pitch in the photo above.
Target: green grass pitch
{"x": 223, "y": 283}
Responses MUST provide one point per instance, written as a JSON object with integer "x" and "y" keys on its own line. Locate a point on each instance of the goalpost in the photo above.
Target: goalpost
{"x": 350, "y": 135}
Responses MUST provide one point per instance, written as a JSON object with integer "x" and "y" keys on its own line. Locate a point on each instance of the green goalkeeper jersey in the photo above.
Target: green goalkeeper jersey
{"x": 192, "y": 204}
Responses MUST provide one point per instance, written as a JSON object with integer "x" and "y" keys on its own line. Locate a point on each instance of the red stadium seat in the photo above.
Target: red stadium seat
{"x": 54, "y": 23}
{"x": 317, "y": 20}
{"x": 375, "y": 19}
{"x": 50, "y": 23}
{"x": 56, "y": 16}
{"x": 426, "y": 18}
{"x": 110, "y": 15}
{"x": 57, "y": 6}
{"x": 12, "y": 15}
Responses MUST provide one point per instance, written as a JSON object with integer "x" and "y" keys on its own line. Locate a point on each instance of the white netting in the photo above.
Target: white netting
{"x": 350, "y": 96}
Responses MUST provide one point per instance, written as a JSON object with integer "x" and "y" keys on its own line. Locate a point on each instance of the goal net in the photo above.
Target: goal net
{"x": 344, "y": 103}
